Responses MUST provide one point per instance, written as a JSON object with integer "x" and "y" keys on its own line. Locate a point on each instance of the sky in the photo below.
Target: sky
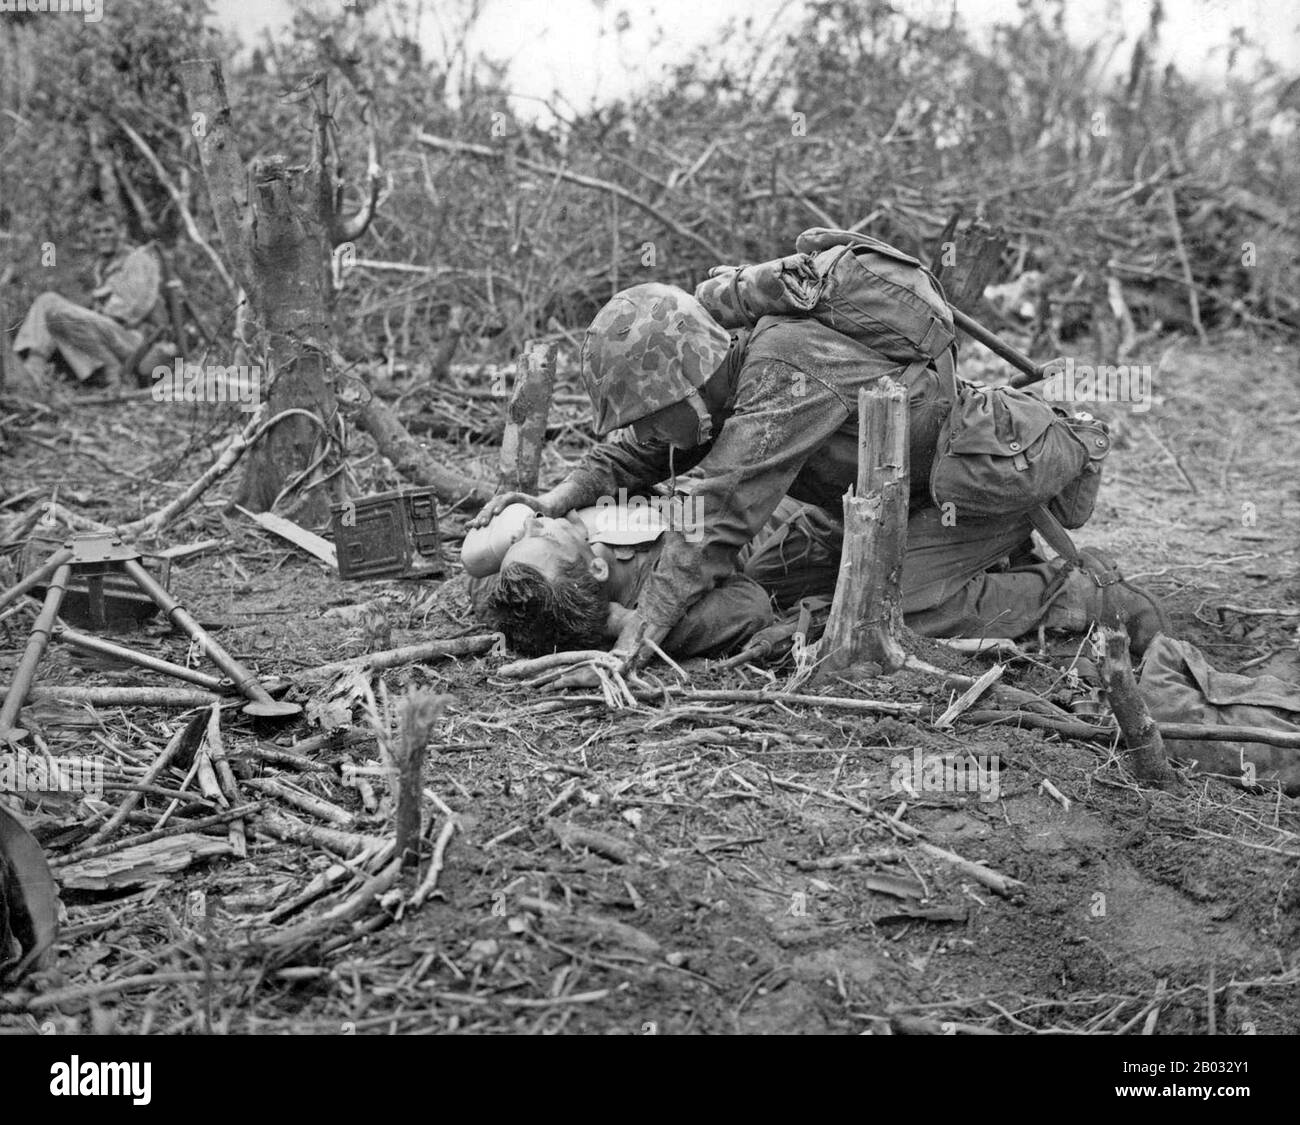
{"x": 575, "y": 48}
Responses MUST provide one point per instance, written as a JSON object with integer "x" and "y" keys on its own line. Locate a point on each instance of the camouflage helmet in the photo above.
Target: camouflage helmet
{"x": 649, "y": 347}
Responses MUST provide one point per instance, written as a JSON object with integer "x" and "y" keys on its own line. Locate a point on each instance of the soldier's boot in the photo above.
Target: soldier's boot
{"x": 1079, "y": 605}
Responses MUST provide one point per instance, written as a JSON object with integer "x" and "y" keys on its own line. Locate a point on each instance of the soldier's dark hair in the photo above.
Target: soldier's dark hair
{"x": 538, "y": 617}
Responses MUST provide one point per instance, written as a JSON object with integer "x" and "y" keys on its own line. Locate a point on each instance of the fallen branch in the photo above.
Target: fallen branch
{"x": 127, "y": 696}
{"x": 430, "y": 882}
{"x": 410, "y": 654}
{"x": 409, "y": 459}
{"x": 999, "y": 884}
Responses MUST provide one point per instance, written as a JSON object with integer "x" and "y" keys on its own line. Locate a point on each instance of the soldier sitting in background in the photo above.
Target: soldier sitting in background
{"x": 94, "y": 343}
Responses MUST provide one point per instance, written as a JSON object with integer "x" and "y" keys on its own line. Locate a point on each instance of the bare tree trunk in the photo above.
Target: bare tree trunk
{"x": 290, "y": 249}
{"x": 277, "y": 228}
{"x": 866, "y": 620}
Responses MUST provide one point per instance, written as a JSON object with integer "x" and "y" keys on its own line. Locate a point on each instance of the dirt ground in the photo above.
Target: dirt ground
{"x": 692, "y": 865}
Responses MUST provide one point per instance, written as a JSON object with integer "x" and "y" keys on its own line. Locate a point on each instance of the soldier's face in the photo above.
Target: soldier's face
{"x": 105, "y": 235}
{"x": 549, "y": 546}
{"x": 677, "y": 425}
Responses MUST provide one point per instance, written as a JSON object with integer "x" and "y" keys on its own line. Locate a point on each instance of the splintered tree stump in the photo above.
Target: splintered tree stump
{"x": 866, "y": 620}
{"x": 290, "y": 246}
{"x": 970, "y": 265}
{"x": 1141, "y": 735}
{"x": 526, "y": 416}
{"x": 279, "y": 224}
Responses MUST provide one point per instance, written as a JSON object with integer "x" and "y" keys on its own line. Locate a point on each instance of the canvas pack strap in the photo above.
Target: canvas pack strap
{"x": 1095, "y": 563}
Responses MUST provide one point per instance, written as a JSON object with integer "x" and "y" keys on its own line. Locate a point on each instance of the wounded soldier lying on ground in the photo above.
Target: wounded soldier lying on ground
{"x": 568, "y": 583}
{"x": 733, "y": 424}
{"x": 561, "y": 584}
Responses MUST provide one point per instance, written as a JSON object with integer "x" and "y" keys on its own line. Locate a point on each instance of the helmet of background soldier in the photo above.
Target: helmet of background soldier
{"x": 649, "y": 347}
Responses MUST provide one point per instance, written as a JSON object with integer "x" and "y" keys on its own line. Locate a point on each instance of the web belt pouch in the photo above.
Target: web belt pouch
{"x": 1074, "y": 505}
{"x": 1003, "y": 451}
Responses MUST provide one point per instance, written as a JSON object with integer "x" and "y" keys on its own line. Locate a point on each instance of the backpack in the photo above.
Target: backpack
{"x": 1004, "y": 451}
{"x": 1001, "y": 451}
{"x": 859, "y": 286}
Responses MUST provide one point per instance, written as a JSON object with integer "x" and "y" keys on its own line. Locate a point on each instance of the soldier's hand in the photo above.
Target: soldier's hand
{"x": 499, "y": 503}
{"x": 633, "y": 637}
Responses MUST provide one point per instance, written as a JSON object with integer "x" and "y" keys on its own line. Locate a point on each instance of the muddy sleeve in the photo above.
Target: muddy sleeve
{"x": 782, "y": 417}
{"x": 624, "y": 462}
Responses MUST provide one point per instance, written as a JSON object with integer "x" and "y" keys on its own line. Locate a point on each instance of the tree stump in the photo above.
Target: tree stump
{"x": 526, "y": 417}
{"x": 866, "y": 621}
{"x": 279, "y": 225}
{"x": 970, "y": 265}
{"x": 1141, "y": 735}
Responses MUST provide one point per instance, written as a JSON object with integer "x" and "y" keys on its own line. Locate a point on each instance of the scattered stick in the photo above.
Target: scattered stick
{"x": 114, "y": 822}
{"x": 968, "y": 697}
{"x": 346, "y": 844}
{"x": 999, "y": 884}
{"x": 603, "y": 843}
{"x": 525, "y": 669}
{"x": 410, "y": 654}
{"x": 229, "y": 787}
{"x": 317, "y": 806}
{"x": 214, "y": 821}
{"x": 430, "y": 883}
{"x": 127, "y": 696}
{"x": 1193, "y": 302}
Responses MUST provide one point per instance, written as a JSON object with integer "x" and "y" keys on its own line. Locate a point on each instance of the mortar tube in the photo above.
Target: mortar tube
{"x": 89, "y": 643}
{"x": 25, "y": 673}
{"x": 246, "y": 683}
{"x": 37, "y": 576}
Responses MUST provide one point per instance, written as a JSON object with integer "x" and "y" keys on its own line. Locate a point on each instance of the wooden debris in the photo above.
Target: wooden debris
{"x": 349, "y": 845}
{"x": 999, "y": 884}
{"x": 313, "y": 544}
{"x": 605, "y": 929}
{"x": 291, "y": 795}
{"x": 968, "y": 697}
{"x": 140, "y": 863}
{"x": 603, "y": 843}
{"x": 410, "y": 654}
{"x": 128, "y": 696}
{"x": 430, "y": 881}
